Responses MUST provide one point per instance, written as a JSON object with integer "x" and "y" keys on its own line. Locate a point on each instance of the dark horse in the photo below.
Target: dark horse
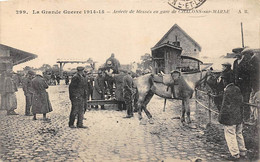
{"x": 210, "y": 82}
{"x": 170, "y": 86}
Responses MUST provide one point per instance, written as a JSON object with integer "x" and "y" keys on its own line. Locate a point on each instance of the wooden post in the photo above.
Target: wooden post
{"x": 164, "y": 105}
{"x": 242, "y": 35}
{"x": 209, "y": 109}
{"x": 197, "y": 107}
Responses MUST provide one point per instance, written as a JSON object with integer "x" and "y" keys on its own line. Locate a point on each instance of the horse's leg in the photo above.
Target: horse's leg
{"x": 145, "y": 103}
{"x": 183, "y": 111}
{"x": 187, "y": 109}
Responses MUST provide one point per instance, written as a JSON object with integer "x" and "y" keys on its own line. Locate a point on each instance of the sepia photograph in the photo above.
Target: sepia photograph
{"x": 136, "y": 80}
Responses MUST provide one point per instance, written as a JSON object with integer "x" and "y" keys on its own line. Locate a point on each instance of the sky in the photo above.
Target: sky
{"x": 128, "y": 36}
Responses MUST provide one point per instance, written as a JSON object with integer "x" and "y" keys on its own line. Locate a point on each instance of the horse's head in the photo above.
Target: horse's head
{"x": 211, "y": 80}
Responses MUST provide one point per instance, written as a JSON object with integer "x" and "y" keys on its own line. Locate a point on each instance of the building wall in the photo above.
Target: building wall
{"x": 188, "y": 46}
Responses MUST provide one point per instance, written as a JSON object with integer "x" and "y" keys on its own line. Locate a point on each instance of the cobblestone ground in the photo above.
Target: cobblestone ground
{"x": 109, "y": 136}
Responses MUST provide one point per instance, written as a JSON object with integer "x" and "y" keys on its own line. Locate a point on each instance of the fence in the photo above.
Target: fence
{"x": 209, "y": 107}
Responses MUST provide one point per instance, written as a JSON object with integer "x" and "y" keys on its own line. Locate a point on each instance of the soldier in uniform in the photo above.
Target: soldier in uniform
{"x": 77, "y": 95}
{"x": 242, "y": 80}
{"x": 128, "y": 86}
{"x": 28, "y": 92}
{"x": 112, "y": 66}
{"x": 9, "y": 101}
{"x": 99, "y": 88}
{"x": 90, "y": 82}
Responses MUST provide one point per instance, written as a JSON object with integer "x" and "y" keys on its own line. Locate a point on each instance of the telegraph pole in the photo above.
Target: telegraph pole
{"x": 242, "y": 35}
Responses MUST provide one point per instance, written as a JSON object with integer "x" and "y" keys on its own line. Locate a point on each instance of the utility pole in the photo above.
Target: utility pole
{"x": 242, "y": 35}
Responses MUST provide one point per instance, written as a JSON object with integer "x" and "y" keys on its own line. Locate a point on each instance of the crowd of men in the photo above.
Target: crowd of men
{"x": 240, "y": 84}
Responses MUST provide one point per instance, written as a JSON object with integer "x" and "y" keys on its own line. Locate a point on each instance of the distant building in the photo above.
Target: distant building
{"x": 179, "y": 37}
{"x": 176, "y": 51}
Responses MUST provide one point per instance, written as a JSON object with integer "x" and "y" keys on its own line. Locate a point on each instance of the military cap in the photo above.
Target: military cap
{"x": 237, "y": 50}
{"x": 226, "y": 64}
{"x": 30, "y": 72}
{"x": 80, "y": 68}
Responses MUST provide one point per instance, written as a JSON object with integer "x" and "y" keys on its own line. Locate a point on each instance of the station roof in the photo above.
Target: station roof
{"x": 18, "y": 56}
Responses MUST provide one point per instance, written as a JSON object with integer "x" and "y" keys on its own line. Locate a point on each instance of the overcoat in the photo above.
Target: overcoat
{"x": 119, "y": 86}
{"x": 99, "y": 86}
{"x": 9, "y": 101}
{"x": 231, "y": 109}
{"x": 40, "y": 102}
{"x": 77, "y": 87}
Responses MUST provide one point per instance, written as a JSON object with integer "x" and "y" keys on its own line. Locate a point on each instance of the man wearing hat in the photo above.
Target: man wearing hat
{"x": 77, "y": 95}
{"x": 242, "y": 79}
{"x": 226, "y": 73}
{"x": 128, "y": 89}
{"x": 230, "y": 116}
{"x": 99, "y": 88}
{"x": 28, "y": 92}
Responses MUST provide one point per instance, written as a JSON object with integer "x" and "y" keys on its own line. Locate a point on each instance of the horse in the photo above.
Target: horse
{"x": 175, "y": 85}
{"x": 210, "y": 82}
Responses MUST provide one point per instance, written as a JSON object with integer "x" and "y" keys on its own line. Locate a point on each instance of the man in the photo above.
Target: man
{"x": 90, "y": 82}
{"x": 112, "y": 66}
{"x": 242, "y": 80}
{"x": 113, "y": 63}
{"x": 77, "y": 95}
{"x": 119, "y": 88}
{"x": 40, "y": 101}
{"x": 9, "y": 101}
{"x": 28, "y": 92}
{"x": 58, "y": 78}
{"x": 67, "y": 79}
{"x": 99, "y": 88}
{"x": 231, "y": 117}
{"x": 128, "y": 93}
{"x": 88, "y": 89}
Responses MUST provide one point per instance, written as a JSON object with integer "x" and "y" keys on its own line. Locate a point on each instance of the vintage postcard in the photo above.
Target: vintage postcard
{"x": 136, "y": 80}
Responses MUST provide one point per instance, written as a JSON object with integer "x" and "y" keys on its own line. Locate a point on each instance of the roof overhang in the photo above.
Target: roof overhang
{"x": 166, "y": 45}
{"x": 191, "y": 58}
{"x": 18, "y": 56}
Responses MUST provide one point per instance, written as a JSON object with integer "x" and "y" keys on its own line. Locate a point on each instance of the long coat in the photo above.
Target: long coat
{"x": 231, "y": 109}
{"x": 242, "y": 74}
{"x": 99, "y": 88}
{"x": 119, "y": 86}
{"x": 40, "y": 102}
{"x": 77, "y": 87}
{"x": 9, "y": 101}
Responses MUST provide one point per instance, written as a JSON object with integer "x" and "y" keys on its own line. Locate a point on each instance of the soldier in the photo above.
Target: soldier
{"x": 58, "y": 78}
{"x": 28, "y": 92}
{"x": 128, "y": 94}
{"x": 113, "y": 63}
{"x": 242, "y": 80}
{"x": 99, "y": 88}
{"x": 9, "y": 101}
{"x": 67, "y": 79}
{"x": 41, "y": 103}
{"x": 119, "y": 88}
{"x": 112, "y": 66}
{"x": 90, "y": 82}
{"x": 77, "y": 95}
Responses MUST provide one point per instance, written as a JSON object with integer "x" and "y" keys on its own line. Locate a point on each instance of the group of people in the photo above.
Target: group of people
{"x": 81, "y": 89}
{"x": 36, "y": 96}
{"x": 239, "y": 85}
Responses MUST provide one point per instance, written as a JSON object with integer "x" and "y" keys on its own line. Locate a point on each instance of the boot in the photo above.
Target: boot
{"x": 11, "y": 112}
